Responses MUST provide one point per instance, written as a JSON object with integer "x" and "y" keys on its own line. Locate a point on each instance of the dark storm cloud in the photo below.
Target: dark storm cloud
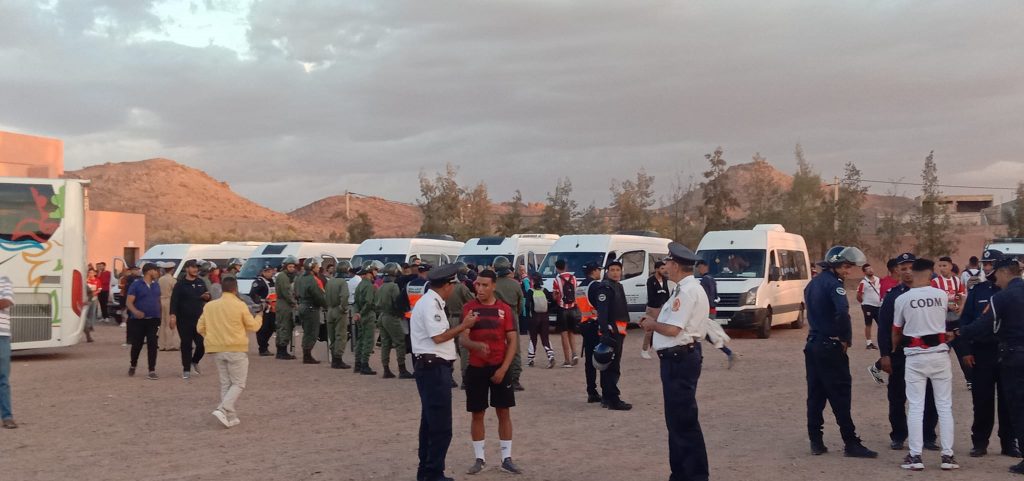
{"x": 518, "y": 93}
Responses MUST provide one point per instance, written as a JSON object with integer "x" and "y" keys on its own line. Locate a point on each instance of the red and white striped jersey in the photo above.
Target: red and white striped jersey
{"x": 952, "y": 286}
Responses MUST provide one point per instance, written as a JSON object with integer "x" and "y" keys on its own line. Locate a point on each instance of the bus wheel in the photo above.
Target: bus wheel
{"x": 765, "y": 329}
{"x": 799, "y": 322}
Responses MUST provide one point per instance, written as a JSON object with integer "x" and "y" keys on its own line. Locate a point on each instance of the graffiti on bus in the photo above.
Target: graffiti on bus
{"x": 31, "y": 216}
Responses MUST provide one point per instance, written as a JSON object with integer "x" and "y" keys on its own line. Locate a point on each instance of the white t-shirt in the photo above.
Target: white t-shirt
{"x": 870, "y": 291}
{"x": 687, "y": 308}
{"x": 7, "y": 294}
{"x": 922, "y": 312}
{"x": 353, "y": 283}
{"x": 428, "y": 320}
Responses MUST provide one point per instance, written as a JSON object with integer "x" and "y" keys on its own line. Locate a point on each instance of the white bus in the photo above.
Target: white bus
{"x": 42, "y": 251}
{"x": 272, "y": 254}
{"x": 521, "y": 249}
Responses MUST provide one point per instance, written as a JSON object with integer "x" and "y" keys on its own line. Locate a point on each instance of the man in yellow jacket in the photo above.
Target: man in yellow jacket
{"x": 224, "y": 325}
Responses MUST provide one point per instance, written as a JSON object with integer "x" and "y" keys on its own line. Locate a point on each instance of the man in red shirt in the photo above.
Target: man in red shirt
{"x": 891, "y": 280}
{"x": 492, "y": 347}
{"x": 103, "y": 292}
{"x": 563, "y": 289}
{"x": 955, "y": 289}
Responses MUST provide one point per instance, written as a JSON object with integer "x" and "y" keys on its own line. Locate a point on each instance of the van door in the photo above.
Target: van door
{"x": 634, "y": 282}
{"x": 771, "y": 292}
{"x": 791, "y": 291}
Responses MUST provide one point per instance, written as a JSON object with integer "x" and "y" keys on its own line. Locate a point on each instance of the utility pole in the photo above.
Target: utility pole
{"x": 835, "y": 205}
{"x": 348, "y": 213}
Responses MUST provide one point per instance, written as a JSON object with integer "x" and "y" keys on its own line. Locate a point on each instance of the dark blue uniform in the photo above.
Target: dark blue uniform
{"x": 1005, "y": 319}
{"x": 828, "y": 367}
{"x": 897, "y": 388}
{"x": 589, "y": 331}
{"x": 609, "y": 299}
{"x": 986, "y": 378}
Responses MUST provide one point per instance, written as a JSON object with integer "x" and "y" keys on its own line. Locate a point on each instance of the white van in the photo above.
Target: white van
{"x": 521, "y": 249}
{"x": 219, "y": 254}
{"x": 1009, "y": 246}
{"x": 761, "y": 274}
{"x": 433, "y": 250}
{"x": 273, "y": 253}
{"x": 637, "y": 253}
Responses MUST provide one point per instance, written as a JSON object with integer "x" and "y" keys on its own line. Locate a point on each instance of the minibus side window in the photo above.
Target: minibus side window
{"x": 633, "y": 264}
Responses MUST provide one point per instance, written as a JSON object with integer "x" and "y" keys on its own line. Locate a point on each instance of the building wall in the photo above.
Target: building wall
{"x": 30, "y": 156}
{"x": 108, "y": 233}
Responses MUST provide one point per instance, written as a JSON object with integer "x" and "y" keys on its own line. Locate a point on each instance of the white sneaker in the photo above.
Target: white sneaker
{"x": 223, "y": 418}
{"x": 195, "y": 369}
{"x": 234, "y": 422}
{"x": 645, "y": 353}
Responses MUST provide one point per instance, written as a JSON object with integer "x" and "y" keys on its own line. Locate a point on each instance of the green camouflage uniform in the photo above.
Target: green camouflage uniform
{"x": 510, "y": 292}
{"x": 453, "y": 305}
{"x": 391, "y": 333}
{"x": 285, "y": 310}
{"x": 366, "y": 308}
{"x": 337, "y": 315}
{"x": 311, "y": 301}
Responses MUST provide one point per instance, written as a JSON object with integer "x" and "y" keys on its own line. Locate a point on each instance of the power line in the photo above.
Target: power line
{"x": 893, "y": 182}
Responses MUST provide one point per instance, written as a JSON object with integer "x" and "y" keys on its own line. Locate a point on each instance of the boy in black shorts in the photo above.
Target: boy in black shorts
{"x": 492, "y": 346}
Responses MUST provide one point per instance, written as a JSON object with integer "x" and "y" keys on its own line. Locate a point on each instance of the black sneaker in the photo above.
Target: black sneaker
{"x": 131, "y": 371}
{"x": 949, "y": 463}
{"x": 871, "y": 346}
{"x": 265, "y": 353}
{"x": 978, "y": 452}
{"x": 818, "y": 447}
{"x": 509, "y": 467}
{"x": 932, "y": 446}
{"x": 593, "y": 398}
{"x": 1017, "y": 468}
{"x": 857, "y": 450}
{"x": 912, "y": 463}
{"x": 1010, "y": 451}
{"x": 477, "y": 466}
{"x": 619, "y": 406}
{"x": 896, "y": 445}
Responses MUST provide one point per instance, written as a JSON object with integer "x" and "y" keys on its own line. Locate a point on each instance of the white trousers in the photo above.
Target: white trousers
{"x": 233, "y": 368}
{"x": 921, "y": 368}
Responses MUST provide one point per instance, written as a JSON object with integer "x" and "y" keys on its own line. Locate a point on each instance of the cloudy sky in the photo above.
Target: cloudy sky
{"x": 293, "y": 100}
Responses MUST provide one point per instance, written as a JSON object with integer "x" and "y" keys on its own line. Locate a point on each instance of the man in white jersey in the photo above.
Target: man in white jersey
{"x": 6, "y": 302}
{"x": 919, "y": 325}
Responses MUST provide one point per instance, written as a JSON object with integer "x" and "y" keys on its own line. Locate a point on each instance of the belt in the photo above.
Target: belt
{"x": 427, "y": 360}
{"x": 928, "y": 341}
{"x": 677, "y": 351}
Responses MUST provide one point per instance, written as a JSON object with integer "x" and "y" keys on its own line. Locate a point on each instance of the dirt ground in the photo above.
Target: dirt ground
{"x": 82, "y": 418}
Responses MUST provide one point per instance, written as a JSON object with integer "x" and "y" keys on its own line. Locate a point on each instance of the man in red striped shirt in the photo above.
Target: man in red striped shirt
{"x": 951, "y": 283}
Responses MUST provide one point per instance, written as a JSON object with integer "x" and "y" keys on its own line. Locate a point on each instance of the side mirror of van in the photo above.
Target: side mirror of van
{"x": 774, "y": 275}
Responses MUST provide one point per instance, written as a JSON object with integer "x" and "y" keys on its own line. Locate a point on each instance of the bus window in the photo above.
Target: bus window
{"x": 633, "y": 264}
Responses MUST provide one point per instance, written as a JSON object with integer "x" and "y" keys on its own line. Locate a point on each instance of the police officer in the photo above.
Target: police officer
{"x": 678, "y": 331}
{"x": 588, "y": 326}
{"x": 311, "y": 300}
{"x": 337, "y": 296}
{"x": 453, "y": 307}
{"x": 434, "y": 353}
{"x": 893, "y": 361}
{"x": 612, "y": 318}
{"x": 1004, "y": 317}
{"x": 365, "y": 317}
{"x": 390, "y": 320}
{"x": 234, "y": 265}
{"x": 264, "y": 292}
{"x": 828, "y": 367}
{"x": 982, "y": 355}
{"x": 509, "y": 291}
{"x": 286, "y": 305}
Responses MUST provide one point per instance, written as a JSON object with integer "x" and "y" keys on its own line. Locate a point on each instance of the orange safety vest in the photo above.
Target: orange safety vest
{"x": 587, "y": 311}
{"x": 272, "y": 301}
{"x": 414, "y": 292}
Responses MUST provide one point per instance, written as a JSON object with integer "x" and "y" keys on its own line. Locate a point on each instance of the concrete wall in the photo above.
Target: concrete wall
{"x": 108, "y": 233}
{"x": 30, "y": 156}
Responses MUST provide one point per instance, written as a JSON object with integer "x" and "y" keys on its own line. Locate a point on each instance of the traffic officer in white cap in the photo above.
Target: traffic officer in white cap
{"x": 678, "y": 331}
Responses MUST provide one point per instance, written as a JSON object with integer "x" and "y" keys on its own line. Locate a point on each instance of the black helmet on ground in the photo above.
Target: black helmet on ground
{"x": 603, "y": 356}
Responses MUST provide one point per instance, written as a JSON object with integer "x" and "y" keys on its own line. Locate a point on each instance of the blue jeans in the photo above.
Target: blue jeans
{"x": 5, "y": 375}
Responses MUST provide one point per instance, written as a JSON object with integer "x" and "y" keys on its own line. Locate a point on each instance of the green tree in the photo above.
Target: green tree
{"x": 807, "y": 212}
{"x": 848, "y": 215}
{"x": 360, "y": 228}
{"x": 475, "y": 213}
{"x": 679, "y": 218}
{"x": 1014, "y": 214}
{"x": 440, "y": 200}
{"x": 590, "y": 221}
{"x": 632, "y": 200}
{"x": 511, "y": 222}
{"x": 560, "y": 210}
{"x": 718, "y": 198}
{"x": 932, "y": 223}
{"x": 765, "y": 194}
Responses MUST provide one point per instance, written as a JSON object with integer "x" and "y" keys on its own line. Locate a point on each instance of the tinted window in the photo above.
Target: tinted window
{"x": 796, "y": 266}
{"x": 25, "y": 213}
{"x": 273, "y": 249}
{"x": 255, "y": 265}
{"x": 633, "y": 264}
{"x": 432, "y": 259}
{"x": 573, "y": 262}
{"x": 735, "y": 263}
{"x": 358, "y": 261}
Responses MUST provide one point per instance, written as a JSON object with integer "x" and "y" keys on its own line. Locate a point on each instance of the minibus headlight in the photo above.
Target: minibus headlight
{"x": 751, "y": 298}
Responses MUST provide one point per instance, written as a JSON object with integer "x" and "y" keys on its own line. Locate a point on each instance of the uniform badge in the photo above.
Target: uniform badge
{"x": 602, "y": 297}
{"x": 676, "y": 304}
{"x": 437, "y": 317}
{"x": 840, "y": 291}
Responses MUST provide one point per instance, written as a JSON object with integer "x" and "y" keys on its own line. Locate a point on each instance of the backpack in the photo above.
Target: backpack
{"x": 540, "y": 301}
{"x": 568, "y": 290}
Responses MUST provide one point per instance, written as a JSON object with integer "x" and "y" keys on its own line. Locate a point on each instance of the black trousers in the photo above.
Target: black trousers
{"x": 434, "y": 384}
{"x": 688, "y": 457}
{"x": 828, "y": 380}
{"x": 104, "y": 299}
{"x": 539, "y": 327}
{"x": 1012, "y": 370}
{"x": 143, "y": 331}
{"x": 267, "y": 330}
{"x": 898, "y": 403}
{"x": 590, "y": 339}
{"x": 986, "y": 386}
{"x": 610, "y": 376}
{"x": 189, "y": 337}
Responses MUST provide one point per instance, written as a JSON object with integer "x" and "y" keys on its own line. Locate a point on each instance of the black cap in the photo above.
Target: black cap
{"x": 1006, "y": 261}
{"x": 905, "y": 258}
{"x": 425, "y": 267}
{"x": 991, "y": 255}
{"x": 446, "y": 272}
{"x": 590, "y": 267}
{"x": 191, "y": 263}
{"x": 681, "y": 254}
{"x": 613, "y": 262}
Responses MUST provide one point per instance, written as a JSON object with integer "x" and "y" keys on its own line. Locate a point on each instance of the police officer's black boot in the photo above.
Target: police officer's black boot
{"x": 855, "y": 449}
{"x": 818, "y": 447}
{"x": 307, "y": 357}
{"x": 357, "y": 367}
{"x": 1017, "y": 468}
{"x": 404, "y": 373}
{"x": 366, "y": 371}
{"x": 387, "y": 373}
{"x": 282, "y": 353}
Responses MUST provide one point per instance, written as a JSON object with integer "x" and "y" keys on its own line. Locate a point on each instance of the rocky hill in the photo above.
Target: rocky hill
{"x": 183, "y": 204}
{"x": 390, "y": 218}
